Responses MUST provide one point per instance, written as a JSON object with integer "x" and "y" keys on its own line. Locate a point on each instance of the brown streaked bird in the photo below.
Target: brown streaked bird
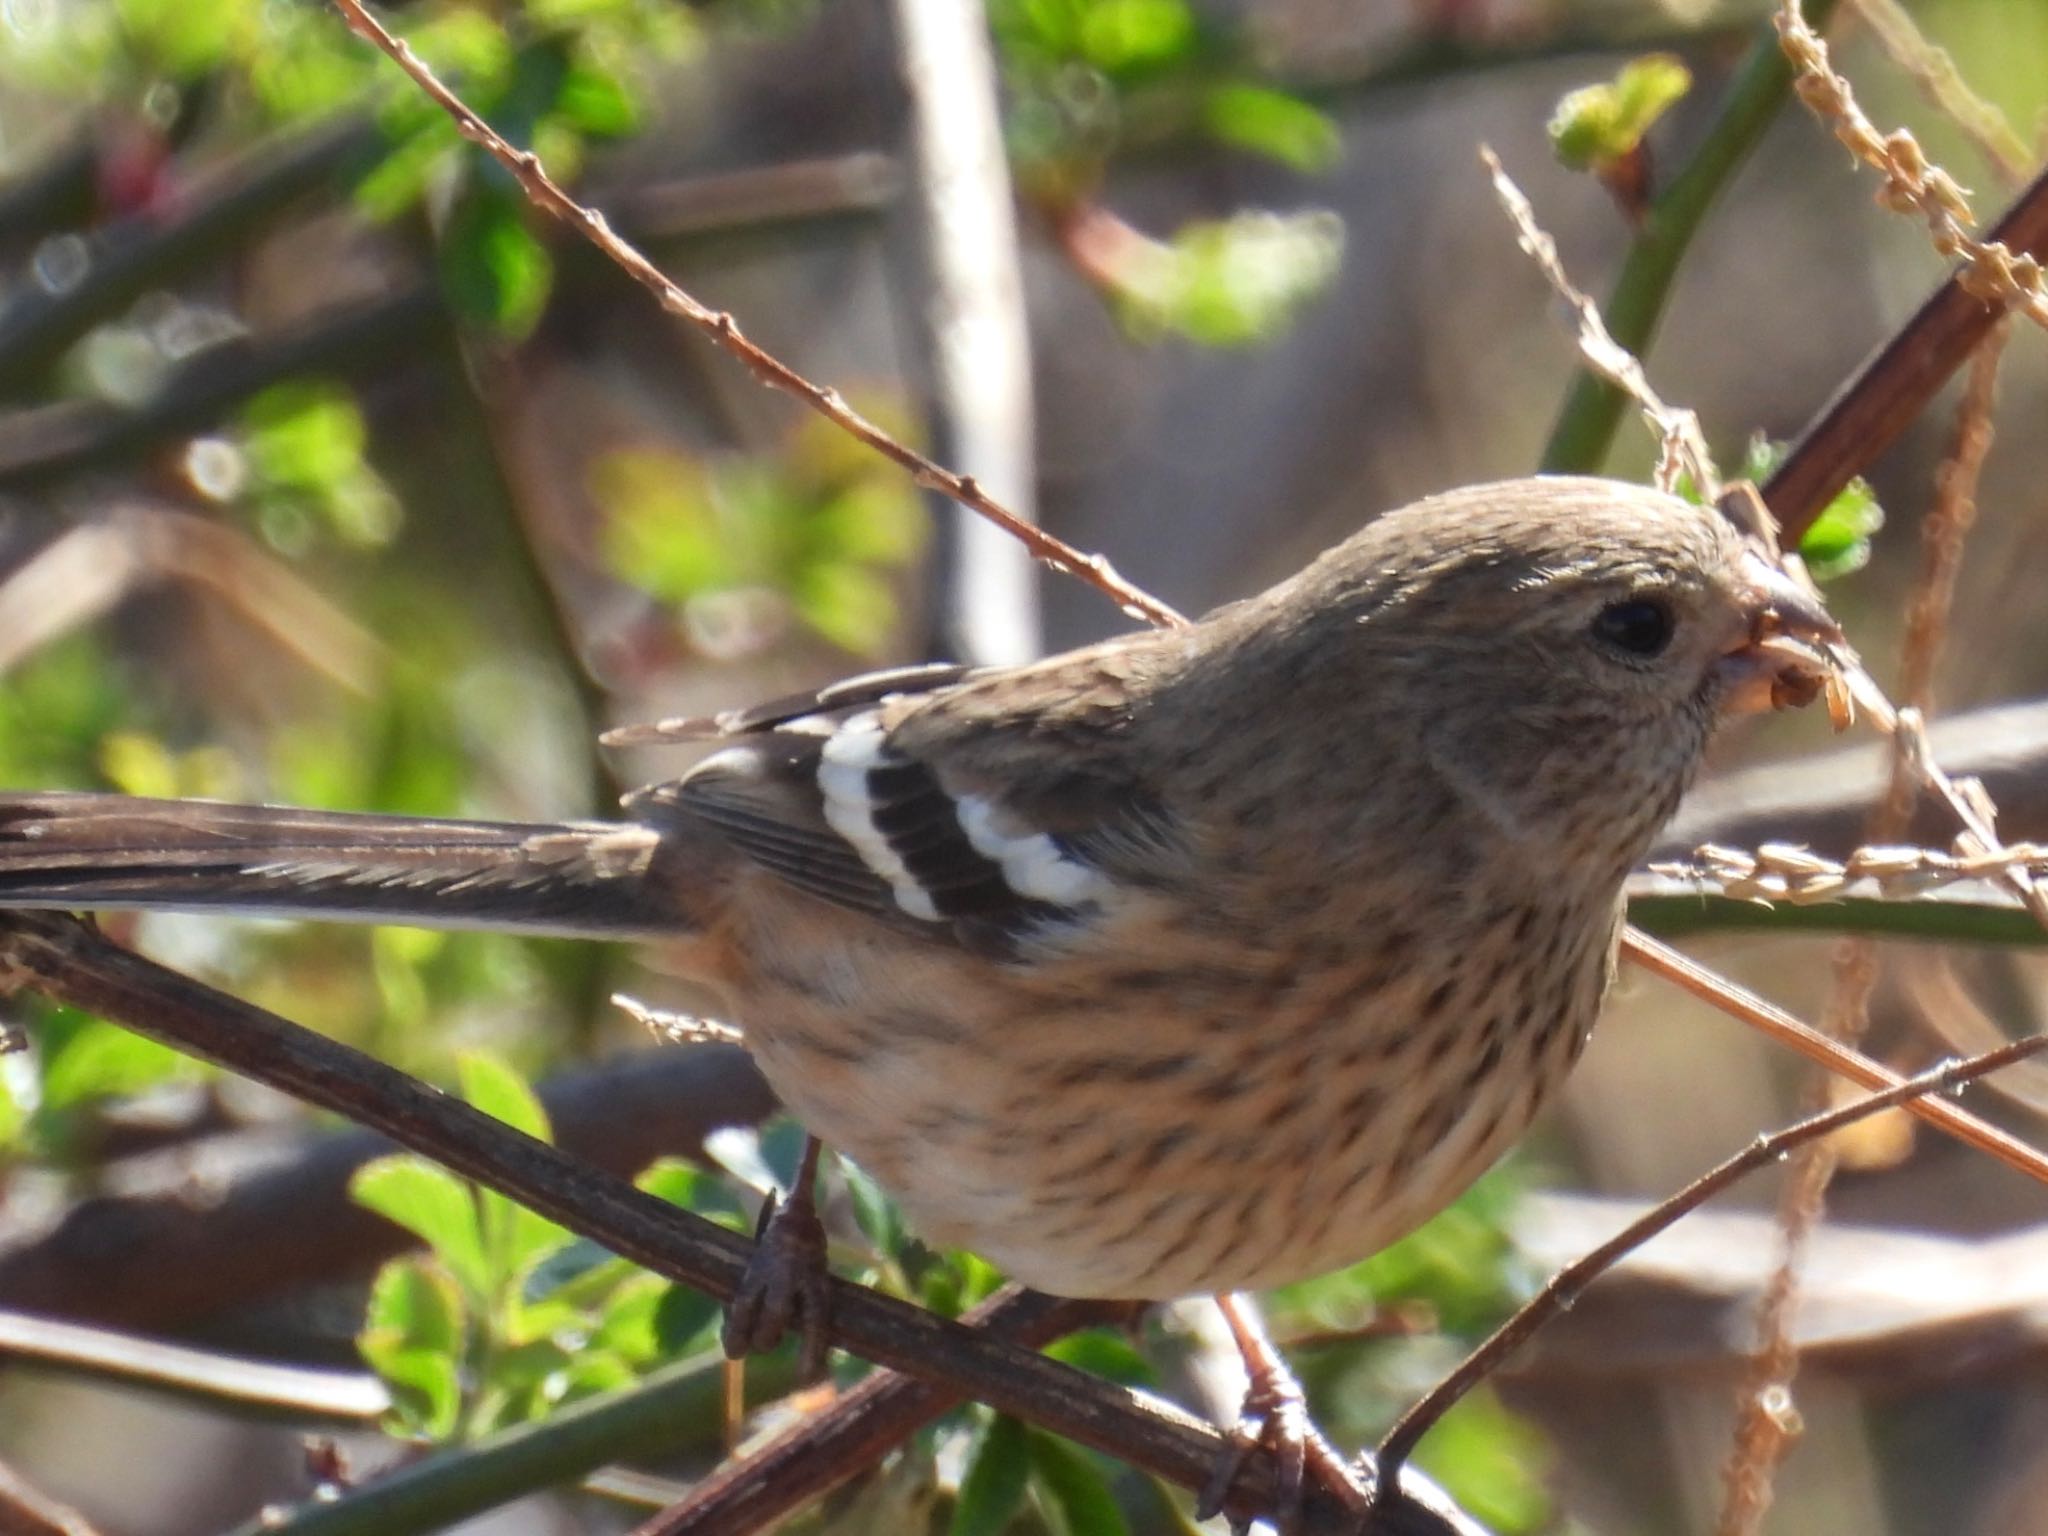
{"x": 1195, "y": 960}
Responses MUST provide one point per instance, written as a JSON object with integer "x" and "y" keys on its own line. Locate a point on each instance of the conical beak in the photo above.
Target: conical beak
{"x": 1782, "y": 663}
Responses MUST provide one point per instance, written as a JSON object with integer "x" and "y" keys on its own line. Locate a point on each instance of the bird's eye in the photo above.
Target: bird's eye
{"x": 1641, "y": 626}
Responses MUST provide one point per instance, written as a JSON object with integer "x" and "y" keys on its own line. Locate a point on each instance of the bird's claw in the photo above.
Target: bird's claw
{"x": 786, "y": 1286}
{"x": 1274, "y": 1416}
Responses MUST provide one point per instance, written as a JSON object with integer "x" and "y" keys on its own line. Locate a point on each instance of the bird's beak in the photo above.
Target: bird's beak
{"x": 1782, "y": 663}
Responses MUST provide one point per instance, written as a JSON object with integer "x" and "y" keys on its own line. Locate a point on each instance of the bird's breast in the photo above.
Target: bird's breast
{"x": 1169, "y": 1107}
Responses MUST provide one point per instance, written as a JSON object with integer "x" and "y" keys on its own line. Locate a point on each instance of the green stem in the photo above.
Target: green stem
{"x": 567, "y": 1445}
{"x": 1592, "y": 410}
{"x": 1667, "y": 909}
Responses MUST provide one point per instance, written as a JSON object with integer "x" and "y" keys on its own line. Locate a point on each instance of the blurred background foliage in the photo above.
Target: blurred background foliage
{"x": 332, "y": 474}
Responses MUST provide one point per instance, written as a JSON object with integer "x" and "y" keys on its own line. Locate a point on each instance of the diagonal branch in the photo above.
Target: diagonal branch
{"x": 65, "y": 959}
{"x": 542, "y": 190}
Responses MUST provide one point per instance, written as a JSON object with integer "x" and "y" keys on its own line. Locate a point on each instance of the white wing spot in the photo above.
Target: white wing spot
{"x": 843, "y": 766}
{"x": 1032, "y": 863}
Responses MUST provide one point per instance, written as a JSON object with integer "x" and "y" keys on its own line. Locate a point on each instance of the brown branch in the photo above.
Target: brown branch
{"x": 27, "y": 1511}
{"x": 1761, "y": 1437}
{"x": 724, "y": 331}
{"x": 65, "y": 959}
{"x": 811, "y": 1458}
{"x": 1662, "y": 960}
{"x": 161, "y": 1254}
{"x": 1888, "y": 393}
{"x": 1564, "y": 1287}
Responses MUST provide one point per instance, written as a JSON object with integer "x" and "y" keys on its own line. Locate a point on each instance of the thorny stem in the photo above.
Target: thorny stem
{"x": 1566, "y": 1286}
{"x": 724, "y": 331}
{"x": 1586, "y": 424}
{"x": 1739, "y": 1003}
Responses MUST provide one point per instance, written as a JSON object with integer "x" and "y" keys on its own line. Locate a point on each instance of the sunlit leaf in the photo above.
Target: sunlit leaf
{"x": 494, "y": 269}
{"x": 1274, "y": 124}
{"x": 1599, "y": 125}
{"x": 1492, "y": 1463}
{"x": 413, "y": 1337}
{"x": 432, "y": 1204}
{"x": 1075, "y": 1490}
{"x": 992, "y": 1487}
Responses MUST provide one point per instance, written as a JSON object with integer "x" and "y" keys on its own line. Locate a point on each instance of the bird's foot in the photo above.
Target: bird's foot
{"x": 1274, "y": 1418}
{"x": 786, "y": 1286}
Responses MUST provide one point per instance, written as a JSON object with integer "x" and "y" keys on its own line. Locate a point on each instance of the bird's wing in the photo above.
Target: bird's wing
{"x": 975, "y": 807}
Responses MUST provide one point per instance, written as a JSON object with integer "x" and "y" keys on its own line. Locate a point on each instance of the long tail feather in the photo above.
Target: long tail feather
{"x": 114, "y": 852}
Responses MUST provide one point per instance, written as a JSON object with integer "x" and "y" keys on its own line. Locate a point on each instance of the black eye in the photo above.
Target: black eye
{"x": 1641, "y": 626}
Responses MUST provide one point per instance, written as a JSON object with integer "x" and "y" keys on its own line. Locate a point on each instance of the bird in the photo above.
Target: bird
{"x": 1196, "y": 960}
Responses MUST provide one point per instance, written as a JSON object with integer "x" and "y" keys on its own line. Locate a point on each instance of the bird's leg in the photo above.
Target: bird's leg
{"x": 1274, "y": 1415}
{"x": 786, "y": 1284}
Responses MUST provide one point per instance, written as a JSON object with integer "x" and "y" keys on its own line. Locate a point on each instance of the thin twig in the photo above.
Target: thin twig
{"x": 1678, "y": 430}
{"x": 724, "y": 331}
{"x": 65, "y": 959}
{"x": 1991, "y": 271}
{"x": 1565, "y": 1286}
{"x": 1932, "y": 69}
{"x": 1888, "y": 393}
{"x": 1763, "y": 1430}
{"x": 806, "y": 1461}
{"x": 1661, "y": 959}
{"x": 206, "y": 1376}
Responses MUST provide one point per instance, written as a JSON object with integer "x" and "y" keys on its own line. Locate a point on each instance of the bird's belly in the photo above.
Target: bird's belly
{"x": 1175, "y": 1146}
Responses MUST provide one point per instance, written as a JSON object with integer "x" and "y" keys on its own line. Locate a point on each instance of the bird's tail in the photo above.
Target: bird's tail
{"x": 118, "y": 853}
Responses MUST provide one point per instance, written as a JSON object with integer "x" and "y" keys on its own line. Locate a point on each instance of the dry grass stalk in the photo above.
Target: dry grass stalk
{"x": 544, "y": 193}
{"x": 1930, "y": 68}
{"x": 1683, "y": 447}
{"x": 1766, "y": 1420}
{"x": 1912, "y": 184}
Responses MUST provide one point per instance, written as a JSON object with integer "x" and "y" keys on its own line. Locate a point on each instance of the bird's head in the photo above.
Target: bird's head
{"x": 1561, "y": 647}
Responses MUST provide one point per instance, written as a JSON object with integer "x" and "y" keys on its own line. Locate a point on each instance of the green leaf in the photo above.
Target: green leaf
{"x": 597, "y": 102}
{"x": 1074, "y": 1488}
{"x": 1492, "y": 1463}
{"x": 1599, "y": 125}
{"x": 1274, "y": 124}
{"x": 872, "y": 1209}
{"x": 83, "y": 1059}
{"x": 496, "y": 273}
{"x": 1123, "y": 36}
{"x": 491, "y": 1085}
{"x": 992, "y": 1487}
{"x": 1231, "y": 282}
{"x": 683, "y": 1319}
{"x": 1110, "y": 1355}
{"x": 413, "y": 1338}
{"x": 435, "y": 1206}
{"x": 1838, "y": 544}
{"x": 307, "y": 434}
{"x": 515, "y": 1238}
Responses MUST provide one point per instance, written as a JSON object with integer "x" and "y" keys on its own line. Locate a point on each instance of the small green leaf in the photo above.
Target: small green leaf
{"x": 1233, "y": 281}
{"x": 1074, "y": 1488}
{"x": 992, "y": 1487}
{"x": 435, "y": 1206}
{"x": 494, "y": 270}
{"x": 1599, "y": 125}
{"x": 597, "y": 102}
{"x": 1839, "y": 541}
{"x": 1112, "y": 1356}
{"x": 413, "y": 1338}
{"x": 683, "y": 1318}
{"x": 1274, "y": 124}
{"x": 491, "y": 1085}
{"x": 1123, "y": 36}
{"x": 874, "y": 1210}
{"x": 305, "y": 435}
{"x": 83, "y": 1059}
